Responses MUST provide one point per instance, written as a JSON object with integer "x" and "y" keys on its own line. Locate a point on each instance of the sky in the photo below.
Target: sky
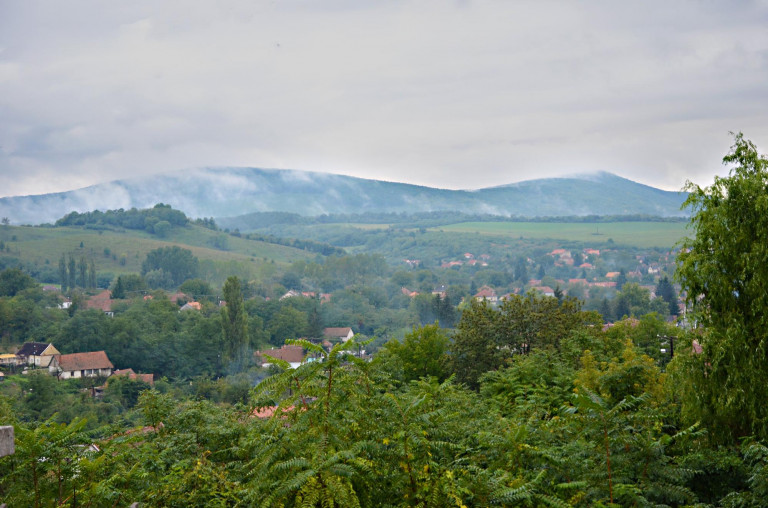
{"x": 453, "y": 94}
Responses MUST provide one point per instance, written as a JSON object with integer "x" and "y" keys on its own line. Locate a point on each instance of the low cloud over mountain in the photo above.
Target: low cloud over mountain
{"x": 227, "y": 192}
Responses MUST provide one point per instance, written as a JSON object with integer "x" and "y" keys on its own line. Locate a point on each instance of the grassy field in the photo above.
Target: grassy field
{"x": 41, "y": 246}
{"x": 637, "y": 234}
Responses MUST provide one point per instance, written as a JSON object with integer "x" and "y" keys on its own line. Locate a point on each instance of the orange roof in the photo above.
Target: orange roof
{"x": 101, "y": 301}
{"x": 147, "y": 378}
{"x": 485, "y": 292}
{"x": 289, "y": 353}
{"x": 83, "y": 361}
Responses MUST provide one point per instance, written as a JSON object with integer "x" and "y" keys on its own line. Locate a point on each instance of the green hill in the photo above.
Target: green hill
{"x": 116, "y": 251}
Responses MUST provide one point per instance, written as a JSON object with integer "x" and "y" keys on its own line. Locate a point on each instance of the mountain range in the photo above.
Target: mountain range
{"x": 230, "y": 192}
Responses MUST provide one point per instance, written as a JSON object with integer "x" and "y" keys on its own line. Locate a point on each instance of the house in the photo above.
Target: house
{"x": 102, "y": 302}
{"x": 77, "y": 365}
{"x": 38, "y": 354}
{"x": 612, "y": 275}
{"x": 294, "y": 355}
{"x": 545, "y": 290}
{"x": 147, "y": 378}
{"x": 592, "y": 252}
{"x": 343, "y": 334}
{"x": 292, "y": 293}
{"x": 9, "y": 360}
{"x": 191, "y": 306}
{"x": 407, "y": 292}
{"x": 486, "y": 293}
{"x": 65, "y": 304}
{"x": 440, "y": 291}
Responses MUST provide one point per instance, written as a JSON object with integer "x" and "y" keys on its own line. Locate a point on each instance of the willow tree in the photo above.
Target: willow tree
{"x": 723, "y": 269}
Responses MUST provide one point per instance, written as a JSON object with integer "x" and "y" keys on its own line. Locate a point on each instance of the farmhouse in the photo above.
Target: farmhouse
{"x": 343, "y": 334}
{"x": 77, "y": 365}
{"x": 38, "y": 354}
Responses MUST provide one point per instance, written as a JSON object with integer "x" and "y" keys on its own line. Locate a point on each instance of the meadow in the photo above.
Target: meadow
{"x": 634, "y": 234}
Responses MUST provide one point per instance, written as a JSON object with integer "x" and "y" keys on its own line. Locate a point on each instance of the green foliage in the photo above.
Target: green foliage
{"x": 234, "y": 322}
{"x": 723, "y": 271}
{"x": 13, "y": 280}
{"x": 487, "y": 339}
{"x": 423, "y": 353}
{"x": 179, "y": 264}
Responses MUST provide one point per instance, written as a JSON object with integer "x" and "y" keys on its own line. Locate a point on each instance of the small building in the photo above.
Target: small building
{"x": 343, "y": 334}
{"x": 9, "y": 360}
{"x": 191, "y": 306}
{"x": 294, "y": 355}
{"x": 77, "y": 365}
{"x": 102, "y": 301}
{"x": 38, "y": 354}
{"x": 486, "y": 293}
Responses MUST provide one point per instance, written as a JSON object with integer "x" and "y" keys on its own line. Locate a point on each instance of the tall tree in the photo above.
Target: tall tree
{"x": 234, "y": 322}
{"x": 63, "y": 278}
{"x": 665, "y": 290}
{"x": 723, "y": 270}
{"x": 82, "y": 269}
{"x": 92, "y": 274}
{"x": 72, "y": 272}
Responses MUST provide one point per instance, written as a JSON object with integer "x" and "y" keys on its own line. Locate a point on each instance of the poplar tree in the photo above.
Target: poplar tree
{"x": 234, "y": 322}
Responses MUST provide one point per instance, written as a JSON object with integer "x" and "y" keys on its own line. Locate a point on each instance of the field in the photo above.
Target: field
{"x": 124, "y": 251}
{"x": 636, "y": 234}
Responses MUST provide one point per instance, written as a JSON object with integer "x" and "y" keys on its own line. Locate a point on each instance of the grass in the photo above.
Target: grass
{"x": 44, "y": 246}
{"x": 636, "y": 234}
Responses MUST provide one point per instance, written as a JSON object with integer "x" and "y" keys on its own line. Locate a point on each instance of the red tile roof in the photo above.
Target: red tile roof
{"x": 147, "y": 378}
{"x": 289, "y": 353}
{"x": 101, "y": 301}
{"x": 83, "y": 361}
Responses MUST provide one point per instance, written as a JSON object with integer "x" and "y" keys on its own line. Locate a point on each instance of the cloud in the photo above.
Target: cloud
{"x": 447, "y": 94}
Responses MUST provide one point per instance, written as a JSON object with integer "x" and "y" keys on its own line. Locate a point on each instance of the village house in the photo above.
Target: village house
{"x": 544, "y": 290}
{"x": 9, "y": 360}
{"x": 191, "y": 306}
{"x": 440, "y": 291}
{"x": 38, "y": 354}
{"x": 343, "y": 334}
{"x": 102, "y": 301}
{"x": 486, "y": 293}
{"x": 78, "y": 365}
{"x": 294, "y": 355}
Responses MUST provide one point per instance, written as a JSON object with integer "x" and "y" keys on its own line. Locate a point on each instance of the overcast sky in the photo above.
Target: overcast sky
{"x": 453, "y": 94}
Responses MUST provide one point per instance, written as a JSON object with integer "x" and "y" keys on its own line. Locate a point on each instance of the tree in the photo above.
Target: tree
{"x": 13, "y": 280}
{"x": 72, "y": 281}
{"x": 423, "y": 353}
{"x": 91, "y": 275}
{"x": 621, "y": 279}
{"x": 82, "y": 269}
{"x": 234, "y": 322}
{"x": 63, "y": 278}
{"x": 179, "y": 263}
{"x": 723, "y": 271}
{"x": 665, "y": 290}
